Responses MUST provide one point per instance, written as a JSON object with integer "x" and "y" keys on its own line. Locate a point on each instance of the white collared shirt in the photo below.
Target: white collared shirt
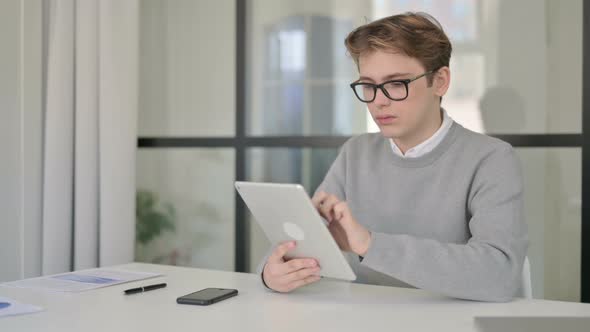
{"x": 429, "y": 144}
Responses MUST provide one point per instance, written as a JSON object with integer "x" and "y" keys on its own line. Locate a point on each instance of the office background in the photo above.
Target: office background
{"x": 258, "y": 90}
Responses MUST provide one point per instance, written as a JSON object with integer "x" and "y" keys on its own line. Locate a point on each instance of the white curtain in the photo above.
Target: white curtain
{"x": 90, "y": 133}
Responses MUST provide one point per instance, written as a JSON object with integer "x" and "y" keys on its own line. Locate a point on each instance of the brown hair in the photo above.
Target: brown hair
{"x": 417, "y": 35}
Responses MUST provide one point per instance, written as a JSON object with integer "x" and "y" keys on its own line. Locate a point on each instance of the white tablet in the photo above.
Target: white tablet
{"x": 285, "y": 212}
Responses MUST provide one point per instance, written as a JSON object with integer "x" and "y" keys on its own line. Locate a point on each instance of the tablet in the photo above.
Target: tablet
{"x": 532, "y": 323}
{"x": 285, "y": 212}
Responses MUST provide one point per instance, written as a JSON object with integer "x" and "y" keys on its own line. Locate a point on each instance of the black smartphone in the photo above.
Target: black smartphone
{"x": 207, "y": 296}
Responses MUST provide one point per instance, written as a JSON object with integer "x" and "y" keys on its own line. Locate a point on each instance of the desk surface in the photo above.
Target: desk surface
{"x": 324, "y": 306}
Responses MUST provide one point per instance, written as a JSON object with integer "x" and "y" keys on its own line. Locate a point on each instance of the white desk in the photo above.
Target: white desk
{"x": 325, "y": 306}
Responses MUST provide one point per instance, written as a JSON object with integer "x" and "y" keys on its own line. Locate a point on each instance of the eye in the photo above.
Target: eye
{"x": 394, "y": 85}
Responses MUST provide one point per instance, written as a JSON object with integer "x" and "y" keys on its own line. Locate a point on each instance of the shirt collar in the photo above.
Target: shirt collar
{"x": 429, "y": 144}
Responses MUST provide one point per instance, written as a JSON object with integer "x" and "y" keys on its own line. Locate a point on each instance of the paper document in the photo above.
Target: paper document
{"x": 80, "y": 281}
{"x": 9, "y": 307}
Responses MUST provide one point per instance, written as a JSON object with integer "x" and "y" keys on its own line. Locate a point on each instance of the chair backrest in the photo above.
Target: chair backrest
{"x": 526, "y": 290}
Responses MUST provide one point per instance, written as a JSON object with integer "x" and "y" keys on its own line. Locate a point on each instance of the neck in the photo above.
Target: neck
{"x": 422, "y": 134}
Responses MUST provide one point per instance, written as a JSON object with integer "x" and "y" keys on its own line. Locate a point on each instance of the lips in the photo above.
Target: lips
{"x": 386, "y": 119}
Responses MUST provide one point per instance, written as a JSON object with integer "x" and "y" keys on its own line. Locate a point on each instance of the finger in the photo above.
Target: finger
{"x": 298, "y": 264}
{"x": 327, "y": 206}
{"x": 280, "y": 251}
{"x": 341, "y": 211}
{"x": 318, "y": 198}
{"x": 302, "y": 282}
{"x": 320, "y": 201}
{"x": 301, "y": 274}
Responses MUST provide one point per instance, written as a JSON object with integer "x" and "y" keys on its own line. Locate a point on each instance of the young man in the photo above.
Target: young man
{"x": 426, "y": 202}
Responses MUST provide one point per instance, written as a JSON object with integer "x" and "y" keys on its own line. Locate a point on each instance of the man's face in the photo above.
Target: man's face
{"x": 406, "y": 119}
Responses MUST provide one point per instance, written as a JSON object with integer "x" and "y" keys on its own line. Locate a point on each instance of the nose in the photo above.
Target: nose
{"x": 381, "y": 99}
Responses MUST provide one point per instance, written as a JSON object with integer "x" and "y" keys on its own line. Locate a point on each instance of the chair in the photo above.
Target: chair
{"x": 525, "y": 290}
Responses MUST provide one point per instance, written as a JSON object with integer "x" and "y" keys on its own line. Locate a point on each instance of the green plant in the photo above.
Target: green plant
{"x": 152, "y": 218}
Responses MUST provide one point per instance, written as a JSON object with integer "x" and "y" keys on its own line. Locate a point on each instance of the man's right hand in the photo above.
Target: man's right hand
{"x": 285, "y": 276}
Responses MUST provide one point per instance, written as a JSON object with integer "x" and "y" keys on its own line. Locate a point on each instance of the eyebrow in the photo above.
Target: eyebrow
{"x": 386, "y": 78}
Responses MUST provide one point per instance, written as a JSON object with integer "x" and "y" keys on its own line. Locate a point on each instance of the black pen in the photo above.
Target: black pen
{"x": 144, "y": 289}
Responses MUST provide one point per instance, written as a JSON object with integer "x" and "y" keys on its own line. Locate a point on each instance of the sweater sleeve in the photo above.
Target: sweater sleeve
{"x": 335, "y": 180}
{"x": 489, "y": 266}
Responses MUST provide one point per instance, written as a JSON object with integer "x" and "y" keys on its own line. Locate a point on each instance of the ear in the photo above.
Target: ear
{"x": 441, "y": 81}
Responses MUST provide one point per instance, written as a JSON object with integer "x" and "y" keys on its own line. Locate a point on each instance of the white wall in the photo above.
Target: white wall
{"x": 564, "y": 114}
{"x": 187, "y": 88}
{"x": 187, "y": 68}
{"x": 551, "y": 87}
{"x": 20, "y": 135}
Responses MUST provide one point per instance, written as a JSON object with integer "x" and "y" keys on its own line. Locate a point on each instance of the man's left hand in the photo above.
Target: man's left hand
{"x": 348, "y": 233}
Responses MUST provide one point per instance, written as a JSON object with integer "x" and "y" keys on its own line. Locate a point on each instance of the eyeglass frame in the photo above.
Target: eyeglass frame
{"x": 406, "y": 83}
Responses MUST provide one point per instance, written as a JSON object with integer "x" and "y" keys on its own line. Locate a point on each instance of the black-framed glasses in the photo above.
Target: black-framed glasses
{"x": 395, "y": 89}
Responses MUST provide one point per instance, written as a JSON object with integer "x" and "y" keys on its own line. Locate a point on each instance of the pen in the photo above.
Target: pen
{"x": 144, "y": 288}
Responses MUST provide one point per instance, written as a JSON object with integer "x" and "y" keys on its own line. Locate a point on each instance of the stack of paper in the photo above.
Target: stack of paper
{"x": 82, "y": 280}
{"x": 9, "y": 307}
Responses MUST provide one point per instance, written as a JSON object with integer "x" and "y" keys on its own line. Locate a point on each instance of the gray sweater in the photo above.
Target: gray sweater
{"x": 450, "y": 221}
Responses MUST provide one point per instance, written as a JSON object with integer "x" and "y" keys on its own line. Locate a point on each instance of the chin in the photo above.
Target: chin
{"x": 391, "y": 132}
